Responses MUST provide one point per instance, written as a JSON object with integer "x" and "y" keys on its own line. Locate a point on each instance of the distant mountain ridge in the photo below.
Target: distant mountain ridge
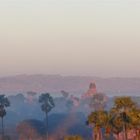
{"x": 72, "y": 84}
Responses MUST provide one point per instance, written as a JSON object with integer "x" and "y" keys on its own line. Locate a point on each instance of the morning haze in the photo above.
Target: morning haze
{"x": 70, "y": 37}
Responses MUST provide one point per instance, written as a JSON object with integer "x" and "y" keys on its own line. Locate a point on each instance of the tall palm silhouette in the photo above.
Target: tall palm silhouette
{"x": 122, "y": 107}
{"x": 47, "y": 104}
{"x": 4, "y": 102}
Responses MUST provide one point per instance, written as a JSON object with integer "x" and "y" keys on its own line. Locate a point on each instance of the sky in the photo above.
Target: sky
{"x": 70, "y": 37}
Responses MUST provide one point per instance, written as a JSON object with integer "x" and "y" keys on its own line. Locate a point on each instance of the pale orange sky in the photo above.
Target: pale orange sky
{"x": 70, "y": 37}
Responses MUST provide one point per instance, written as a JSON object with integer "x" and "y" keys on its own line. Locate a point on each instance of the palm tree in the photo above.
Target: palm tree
{"x": 47, "y": 104}
{"x": 4, "y": 102}
{"x": 99, "y": 119}
{"x": 123, "y": 105}
{"x": 116, "y": 124}
{"x": 134, "y": 114}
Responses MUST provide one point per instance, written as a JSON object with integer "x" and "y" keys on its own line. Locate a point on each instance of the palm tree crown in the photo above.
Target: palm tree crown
{"x": 47, "y": 102}
{"x": 4, "y": 102}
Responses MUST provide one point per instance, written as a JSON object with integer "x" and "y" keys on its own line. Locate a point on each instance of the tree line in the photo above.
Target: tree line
{"x": 47, "y": 104}
{"x": 121, "y": 122}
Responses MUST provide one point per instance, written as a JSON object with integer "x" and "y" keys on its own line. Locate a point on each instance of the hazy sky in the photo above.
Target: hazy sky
{"x": 70, "y": 37}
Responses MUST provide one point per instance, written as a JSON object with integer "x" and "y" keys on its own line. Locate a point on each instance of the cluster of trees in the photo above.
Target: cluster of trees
{"x": 47, "y": 104}
{"x": 122, "y": 121}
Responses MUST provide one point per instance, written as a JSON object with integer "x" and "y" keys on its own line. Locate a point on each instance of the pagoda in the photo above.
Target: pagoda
{"x": 91, "y": 91}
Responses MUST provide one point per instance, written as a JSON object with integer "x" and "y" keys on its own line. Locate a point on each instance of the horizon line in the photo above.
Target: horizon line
{"x": 68, "y": 75}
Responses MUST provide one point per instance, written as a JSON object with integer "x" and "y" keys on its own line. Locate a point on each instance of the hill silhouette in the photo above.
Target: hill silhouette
{"x": 74, "y": 84}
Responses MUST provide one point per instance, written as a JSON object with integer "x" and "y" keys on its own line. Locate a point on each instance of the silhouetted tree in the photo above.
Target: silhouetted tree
{"x": 31, "y": 96}
{"x": 47, "y": 104}
{"x": 98, "y": 101}
{"x": 123, "y": 106}
{"x": 65, "y": 94}
{"x": 4, "y": 102}
{"x": 69, "y": 105}
{"x": 31, "y": 129}
{"x": 99, "y": 120}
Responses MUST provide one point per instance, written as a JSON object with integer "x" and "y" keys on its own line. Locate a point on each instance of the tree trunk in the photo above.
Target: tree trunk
{"x": 47, "y": 133}
{"x": 118, "y": 136}
{"x": 100, "y": 134}
{"x": 2, "y": 127}
{"x": 95, "y": 133}
{"x": 124, "y": 131}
